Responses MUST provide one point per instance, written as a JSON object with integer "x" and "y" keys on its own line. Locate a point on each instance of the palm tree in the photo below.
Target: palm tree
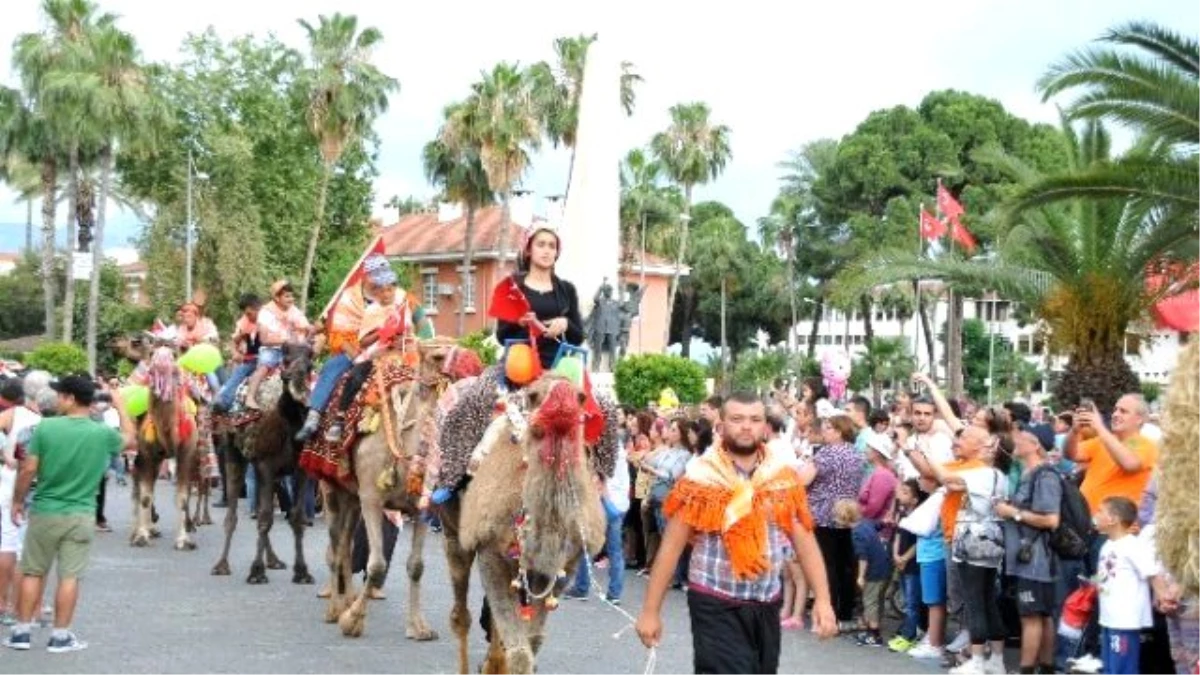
{"x": 452, "y": 164}
{"x": 22, "y": 177}
{"x": 1079, "y": 266}
{"x": 778, "y": 231}
{"x": 1154, "y": 90}
{"x": 404, "y": 206}
{"x": 641, "y": 195}
{"x": 886, "y": 360}
{"x": 718, "y": 244}
{"x": 557, "y": 90}
{"x": 693, "y": 151}
{"x": 346, "y": 94}
{"x": 505, "y": 126}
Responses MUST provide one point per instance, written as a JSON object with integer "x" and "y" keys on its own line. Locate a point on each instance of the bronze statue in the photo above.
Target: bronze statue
{"x": 604, "y": 328}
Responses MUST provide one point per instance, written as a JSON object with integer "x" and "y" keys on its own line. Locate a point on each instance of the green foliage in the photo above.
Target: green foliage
{"x": 759, "y": 371}
{"x": 57, "y": 358}
{"x": 482, "y": 343}
{"x": 640, "y": 379}
{"x": 1151, "y": 391}
{"x": 21, "y": 301}
{"x": 886, "y": 363}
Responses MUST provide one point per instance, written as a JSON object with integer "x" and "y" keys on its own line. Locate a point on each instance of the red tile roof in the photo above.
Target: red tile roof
{"x": 138, "y": 267}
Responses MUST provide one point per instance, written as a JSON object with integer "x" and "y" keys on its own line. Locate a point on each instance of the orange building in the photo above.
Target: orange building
{"x": 433, "y": 243}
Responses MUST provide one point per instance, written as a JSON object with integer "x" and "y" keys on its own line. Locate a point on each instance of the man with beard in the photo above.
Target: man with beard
{"x": 741, "y": 508}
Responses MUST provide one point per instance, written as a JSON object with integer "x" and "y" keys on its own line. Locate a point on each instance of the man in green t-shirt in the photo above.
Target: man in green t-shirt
{"x": 68, "y": 455}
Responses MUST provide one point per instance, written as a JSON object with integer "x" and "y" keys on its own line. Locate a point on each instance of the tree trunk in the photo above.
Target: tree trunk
{"x": 72, "y": 245}
{"x": 954, "y": 376}
{"x": 468, "y": 258}
{"x": 818, "y": 313}
{"x": 868, "y": 328}
{"x": 315, "y": 236}
{"x": 686, "y": 224}
{"x": 791, "y": 282}
{"x": 49, "y": 288}
{"x": 502, "y": 236}
{"x": 93, "y": 310}
{"x": 923, "y": 317}
{"x": 724, "y": 340}
{"x": 28, "y": 225}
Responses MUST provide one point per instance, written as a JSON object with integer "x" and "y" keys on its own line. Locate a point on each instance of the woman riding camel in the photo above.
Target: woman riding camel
{"x": 280, "y": 323}
{"x": 553, "y": 300}
{"x": 194, "y": 328}
{"x": 345, "y": 322}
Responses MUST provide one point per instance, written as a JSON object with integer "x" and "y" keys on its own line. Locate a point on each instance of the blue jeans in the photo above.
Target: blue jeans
{"x": 911, "y": 583}
{"x": 236, "y": 377}
{"x": 681, "y": 570}
{"x": 328, "y": 378}
{"x": 614, "y": 547}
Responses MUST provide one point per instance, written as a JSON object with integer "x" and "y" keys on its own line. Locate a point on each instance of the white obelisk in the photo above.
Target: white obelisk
{"x": 591, "y": 228}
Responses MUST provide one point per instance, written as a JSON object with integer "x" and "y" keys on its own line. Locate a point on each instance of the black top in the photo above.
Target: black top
{"x": 560, "y": 302}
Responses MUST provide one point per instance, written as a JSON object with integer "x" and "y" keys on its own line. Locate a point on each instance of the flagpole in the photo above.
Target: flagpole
{"x": 917, "y": 293}
{"x": 950, "y": 316}
{"x": 337, "y": 294}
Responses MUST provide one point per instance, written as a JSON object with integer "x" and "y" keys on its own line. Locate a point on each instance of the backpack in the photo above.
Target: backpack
{"x": 1070, "y": 539}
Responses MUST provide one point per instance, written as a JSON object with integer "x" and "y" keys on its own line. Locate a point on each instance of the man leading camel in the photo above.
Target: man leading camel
{"x": 735, "y": 505}
{"x": 67, "y": 456}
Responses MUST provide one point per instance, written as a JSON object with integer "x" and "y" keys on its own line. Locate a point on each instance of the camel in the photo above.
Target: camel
{"x": 388, "y": 470}
{"x": 159, "y": 438}
{"x": 527, "y": 516}
{"x": 268, "y": 447}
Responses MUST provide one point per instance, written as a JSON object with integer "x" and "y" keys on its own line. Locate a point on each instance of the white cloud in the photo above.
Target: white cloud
{"x": 778, "y": 74}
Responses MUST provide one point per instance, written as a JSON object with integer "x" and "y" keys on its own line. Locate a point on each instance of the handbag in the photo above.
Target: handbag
{"x": 980, "y": 541}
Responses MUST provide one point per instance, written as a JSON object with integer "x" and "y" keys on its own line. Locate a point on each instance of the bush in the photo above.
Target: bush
{"x": 57, "y": 358}
{"x": 640, "y": 379}
{"x": 482, "y": 343}
{"x": 1151, "y": 391}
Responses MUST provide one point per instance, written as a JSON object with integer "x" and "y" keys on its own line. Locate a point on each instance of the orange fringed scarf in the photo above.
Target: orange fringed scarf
{"x": 712, "y": 497}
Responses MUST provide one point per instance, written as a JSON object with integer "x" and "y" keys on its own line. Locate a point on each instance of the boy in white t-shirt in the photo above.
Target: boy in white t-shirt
{"x": 1126, "y": 571}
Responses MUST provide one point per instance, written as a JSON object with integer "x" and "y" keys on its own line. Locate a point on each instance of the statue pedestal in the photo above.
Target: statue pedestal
{"x": 606, "y": 383}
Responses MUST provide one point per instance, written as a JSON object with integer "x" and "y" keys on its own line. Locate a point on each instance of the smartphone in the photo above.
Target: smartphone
{"x": 1087, "y": 403}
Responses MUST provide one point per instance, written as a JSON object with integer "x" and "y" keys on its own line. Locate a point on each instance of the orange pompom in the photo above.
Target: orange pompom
{"x": 520, "y": 366}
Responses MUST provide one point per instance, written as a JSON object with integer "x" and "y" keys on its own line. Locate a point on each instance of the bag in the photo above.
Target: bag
{"x": 980, "y": 542}
{"x": 924, "y": 519}
{"x": 1070, "y": 539}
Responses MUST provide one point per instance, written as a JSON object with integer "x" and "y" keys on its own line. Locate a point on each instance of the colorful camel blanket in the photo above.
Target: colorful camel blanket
{"x": 334, "y": 461}
{"x": 715, "y": 498}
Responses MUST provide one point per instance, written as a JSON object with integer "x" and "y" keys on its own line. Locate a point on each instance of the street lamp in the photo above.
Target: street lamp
{"x": 191, "y": 225}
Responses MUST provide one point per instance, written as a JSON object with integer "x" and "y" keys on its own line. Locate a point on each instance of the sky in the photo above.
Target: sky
{"x": 779, "y": 74}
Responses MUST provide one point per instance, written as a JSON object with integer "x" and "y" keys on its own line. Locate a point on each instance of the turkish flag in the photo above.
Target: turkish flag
{"x": 932, "y": 229}
{"x": 354, "y": 278}
{"x": 509, "y": 302}
{"x": 1179, "y": 310}
{"x": 960, "y": 234}
{"x": 948, "y": 204}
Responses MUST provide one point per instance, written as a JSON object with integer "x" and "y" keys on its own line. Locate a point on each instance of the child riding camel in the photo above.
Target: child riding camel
{"x": 384, "y": 322}
{"x": 280, "y": 323}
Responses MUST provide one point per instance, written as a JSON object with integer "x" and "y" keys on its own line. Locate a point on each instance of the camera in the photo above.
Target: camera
{"x": 103, "y": 397}
{"x": 1025, "y": 552}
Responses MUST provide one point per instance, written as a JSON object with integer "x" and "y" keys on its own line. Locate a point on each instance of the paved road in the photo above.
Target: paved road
{"x": 158, "y": 610}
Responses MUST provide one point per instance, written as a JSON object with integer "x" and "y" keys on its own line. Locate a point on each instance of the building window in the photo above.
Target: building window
{"x": 429, "y": 287}
{"x": 468, "y": 293}
{"x": 802, "y": 339}
{"x": 1133, "y": 344}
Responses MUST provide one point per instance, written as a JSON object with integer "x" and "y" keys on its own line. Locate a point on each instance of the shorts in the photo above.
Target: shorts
{"x": 66, "y": 538}
{"x": 933, "y": 583}
{"x": 872, "y": 598}
{"x": 270, "y": 357}
{"x": 12, "y": 538}
{"x": 1035, "y": 598}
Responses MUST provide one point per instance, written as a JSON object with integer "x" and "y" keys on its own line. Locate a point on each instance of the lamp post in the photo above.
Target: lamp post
{"x": 991, "y": 349}
{"x": 191, "y": 225}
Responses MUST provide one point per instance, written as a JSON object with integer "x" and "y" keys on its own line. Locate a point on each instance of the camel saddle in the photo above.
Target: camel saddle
{"x": 333, "y": 461}
{"x": 269, "y": 392}
{"x": 185, "y": 420}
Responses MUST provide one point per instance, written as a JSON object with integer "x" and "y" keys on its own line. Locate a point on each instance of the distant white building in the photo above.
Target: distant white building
{"x": 1151, "y": 356}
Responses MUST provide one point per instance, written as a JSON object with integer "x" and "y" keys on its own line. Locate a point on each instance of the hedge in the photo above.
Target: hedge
{"x": 640, "y": 379}
{"x": 57, "y": 358}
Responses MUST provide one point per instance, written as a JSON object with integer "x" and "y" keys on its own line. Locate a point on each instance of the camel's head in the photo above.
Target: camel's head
{"x": 434, "y": 355}
{"x": 556, "y": 408}
{"x": 129, "y": 347}
{"x": 462, "y": 363}
{"x": 297, "y": 365}
{"x": 163, "y": 373}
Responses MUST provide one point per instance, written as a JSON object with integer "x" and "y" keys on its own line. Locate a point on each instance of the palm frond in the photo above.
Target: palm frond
{"x": 1023, "y": 284}
{"x": 1180, "y": 51}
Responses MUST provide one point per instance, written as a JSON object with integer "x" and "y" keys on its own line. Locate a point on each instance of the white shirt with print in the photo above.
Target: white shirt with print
{"x": 1124, "y": 572}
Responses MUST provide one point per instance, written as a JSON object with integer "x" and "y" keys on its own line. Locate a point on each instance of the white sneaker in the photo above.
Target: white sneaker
{"x": 960, "y": 642}
{"x": 925, "y": 651}
{"x": 971, "y": 667}
{"x": 994, "y": 665}
{"x": 1085, "y": 664}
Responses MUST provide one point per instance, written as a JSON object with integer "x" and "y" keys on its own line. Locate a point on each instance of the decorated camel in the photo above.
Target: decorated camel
{"x": 381, "y": 465}
{"x": 167, "y": 431}
{"x": 265, "y": 443}
{"x": 529, "y": 512}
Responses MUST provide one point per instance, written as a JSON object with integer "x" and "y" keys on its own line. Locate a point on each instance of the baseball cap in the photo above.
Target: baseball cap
{"x": 80, "y": 387}
{"x": 1044, "y": 433}
{"x": 882, "y": 444}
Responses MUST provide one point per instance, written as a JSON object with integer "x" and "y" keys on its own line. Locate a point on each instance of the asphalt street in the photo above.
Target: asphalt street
{"x": 157, "y": 610}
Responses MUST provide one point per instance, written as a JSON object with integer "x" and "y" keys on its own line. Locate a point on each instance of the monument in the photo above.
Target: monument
{"x": 591, "y": 218}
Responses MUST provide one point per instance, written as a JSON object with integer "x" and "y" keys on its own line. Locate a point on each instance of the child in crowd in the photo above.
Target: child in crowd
{"x": 1126, "y": 571}
{"x": 904, "y": 557}
{"x": 245, "y": 349}
{"x": 931, "y": 560}
{"x": 874, "y": 567}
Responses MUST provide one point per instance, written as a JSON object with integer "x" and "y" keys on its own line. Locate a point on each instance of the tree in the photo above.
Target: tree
{"x": 557, "y": 89}
{"x": 505, "y": 126}
{"x": 347, "y": 94}
{"x": 20, "y": 176}
{"x": 1079, "y": 266}
{"x": 693, "y": 150}
{"x": 645, "y": 203}
{"x": 887, "y": 361}
{"x": 404, "y": 206}
{"x": 720, "y": 244}
{"x": 1156, "y": 92}
{"x": 452, "y": 163}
